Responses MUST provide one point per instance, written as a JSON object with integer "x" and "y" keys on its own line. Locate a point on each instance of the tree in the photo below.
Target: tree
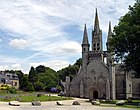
{"x": 70, "y": 71}
{"x": 20, "y": 76}
{"x": 38, "y": 86}
{"x": 49, "y": 78}
{"x": 78, "y": 62}
{"x": 29, "y": 87}
{"x": 24, "y": 82}
{"x": 126, "y": 39}
{"x": 32, "y": 75}
{"x": 40, "y": 69}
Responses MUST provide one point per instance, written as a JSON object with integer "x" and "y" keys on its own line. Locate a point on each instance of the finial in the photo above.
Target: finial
{"x": 109, "y": 25}
{"x": 96, "y": 9}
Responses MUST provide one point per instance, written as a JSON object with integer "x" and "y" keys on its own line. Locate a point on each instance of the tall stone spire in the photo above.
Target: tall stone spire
{"x": 109, "y": 32}
{"x": 85, "y": 36}
{"x": 96, "y": 36}
{"x": 85, "y": 49}
{"x": 96, "y": 24}
{"x": 109, "y": 35}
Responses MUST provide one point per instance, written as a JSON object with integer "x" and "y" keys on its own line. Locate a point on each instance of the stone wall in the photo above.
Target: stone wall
{"x": 136, "y": 88}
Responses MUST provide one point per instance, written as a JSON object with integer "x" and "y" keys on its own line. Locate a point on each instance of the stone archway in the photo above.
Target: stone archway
{"x": 95, "y": 95}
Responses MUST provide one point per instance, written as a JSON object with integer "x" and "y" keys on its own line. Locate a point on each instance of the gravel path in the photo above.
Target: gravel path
{"x": 51, "y": 105}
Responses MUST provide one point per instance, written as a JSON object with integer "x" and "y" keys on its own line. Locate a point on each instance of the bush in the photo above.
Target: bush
{"x": 29, "y": 87}
{"x": 38, "y": 86}
{"x": 12, "y": 90}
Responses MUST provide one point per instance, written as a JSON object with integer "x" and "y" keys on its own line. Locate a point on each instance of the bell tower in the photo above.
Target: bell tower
{"x": 85, "y": 48}
{"x": 96, "y": 36}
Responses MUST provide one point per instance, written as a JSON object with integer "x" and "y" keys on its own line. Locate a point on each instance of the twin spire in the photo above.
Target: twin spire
{"x": 109, "y": 31}
{"x": 96, "y": 24}
{"x": 96, "y": 30}
{"x": 85, "y": 36}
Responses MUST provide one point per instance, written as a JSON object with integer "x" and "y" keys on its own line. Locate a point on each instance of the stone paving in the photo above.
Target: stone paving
{"x": 51, "y": 105}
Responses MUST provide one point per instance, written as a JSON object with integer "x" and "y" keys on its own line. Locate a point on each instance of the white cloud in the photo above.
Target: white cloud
{"x": 3, "y": 67}
{"x": 54, "y": 64}
{"x": 16, "y": 66}
{"x": 18, "y": 43}
{"x": 40, "y": 26}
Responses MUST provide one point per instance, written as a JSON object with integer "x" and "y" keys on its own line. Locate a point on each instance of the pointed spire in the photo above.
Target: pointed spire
{"x": 85, "y": 36}
{"x": 96, "y": 24}
{"x": 109, "y": 31}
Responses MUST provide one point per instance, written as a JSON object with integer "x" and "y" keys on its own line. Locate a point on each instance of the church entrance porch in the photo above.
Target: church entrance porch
{"x": 95, "y": 95}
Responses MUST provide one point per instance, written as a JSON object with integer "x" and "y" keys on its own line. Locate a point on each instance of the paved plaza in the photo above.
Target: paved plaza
{"x": 51, "y": 105}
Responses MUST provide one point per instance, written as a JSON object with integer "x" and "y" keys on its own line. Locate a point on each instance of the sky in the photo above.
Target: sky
{"x": 50, "y": 32}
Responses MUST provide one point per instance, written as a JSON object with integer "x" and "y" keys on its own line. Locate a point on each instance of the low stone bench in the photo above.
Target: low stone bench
{"x": 58, "y": 103}
{"x": 95, "y": 102}
{"x": 36, "y": 103}
{"x": 14, "y": 103}
{"x": 120, "y": 102}
{"x": 76, "y": 103}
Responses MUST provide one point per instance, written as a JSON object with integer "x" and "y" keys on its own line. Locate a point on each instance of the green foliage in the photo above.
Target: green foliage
{"x": 70, "y": 71}
{"x": 32, "y": 75}
{"x": 59, "y": 88}
{"x": 24, "y": 82}
{"x": 41, "y": 69}
{"x": 43, "y": 78}
{"x": 29, "y": 87}
{"x": 126, "y": 39}
{"x": 38, "y": 86}
{"x": 20, "y": 76}
{"x": 12, "y": 90}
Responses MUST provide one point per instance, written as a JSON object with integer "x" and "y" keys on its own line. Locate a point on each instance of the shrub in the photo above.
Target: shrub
{"x": 29, "y": 87}
{"x": 12, "y": 90}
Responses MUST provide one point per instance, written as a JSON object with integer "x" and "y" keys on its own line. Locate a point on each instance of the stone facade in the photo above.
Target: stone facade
{"x": 99, "y": 79}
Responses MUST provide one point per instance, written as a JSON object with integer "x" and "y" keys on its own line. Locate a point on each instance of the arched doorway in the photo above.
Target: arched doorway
{"x": 95, "y": 95}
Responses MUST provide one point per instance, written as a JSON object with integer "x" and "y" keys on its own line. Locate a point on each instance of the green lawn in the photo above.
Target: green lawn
{"x": 28, "y": 97}
{"x": 35, "y": 98}
{"x": 133, "y": 104}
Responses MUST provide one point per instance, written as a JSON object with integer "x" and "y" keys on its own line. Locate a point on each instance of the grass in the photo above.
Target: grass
{"x": 43, "y": 98}
{"x": 29, "y": 96}
{"x": 134, "y": 104}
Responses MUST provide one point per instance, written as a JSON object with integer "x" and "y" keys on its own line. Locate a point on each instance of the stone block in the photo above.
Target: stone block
{"x": 95, "y": 102}
{"x": 76, "y": 103}
{"x": 14, "y": 103}
{"x": 36, "y": 103}
{"x": 120, "y": 102}
{"x": 58, "y": 103}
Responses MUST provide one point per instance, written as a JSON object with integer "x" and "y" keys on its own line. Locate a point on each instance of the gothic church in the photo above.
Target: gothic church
{"x": 97, "y": 79}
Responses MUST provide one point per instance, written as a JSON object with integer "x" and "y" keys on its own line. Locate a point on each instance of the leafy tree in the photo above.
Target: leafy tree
{"x": 38, "y": 86}
{"x": 12, "y": 90}
{"x": 20, "y": 76}
{"x": 29, "y": 87}
{"x": 24, "y": 82}
{"x": 32, "y": 75}
{"x": 126, "y": 39}
{"x": 78, "y": 62}
{"x": 41, "y": 69}
{"x": 49, "y": 78}
{"x": 70, "y": 71}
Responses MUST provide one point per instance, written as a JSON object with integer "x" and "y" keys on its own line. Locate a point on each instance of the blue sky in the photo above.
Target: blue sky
{"x": 49, "y": 32}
